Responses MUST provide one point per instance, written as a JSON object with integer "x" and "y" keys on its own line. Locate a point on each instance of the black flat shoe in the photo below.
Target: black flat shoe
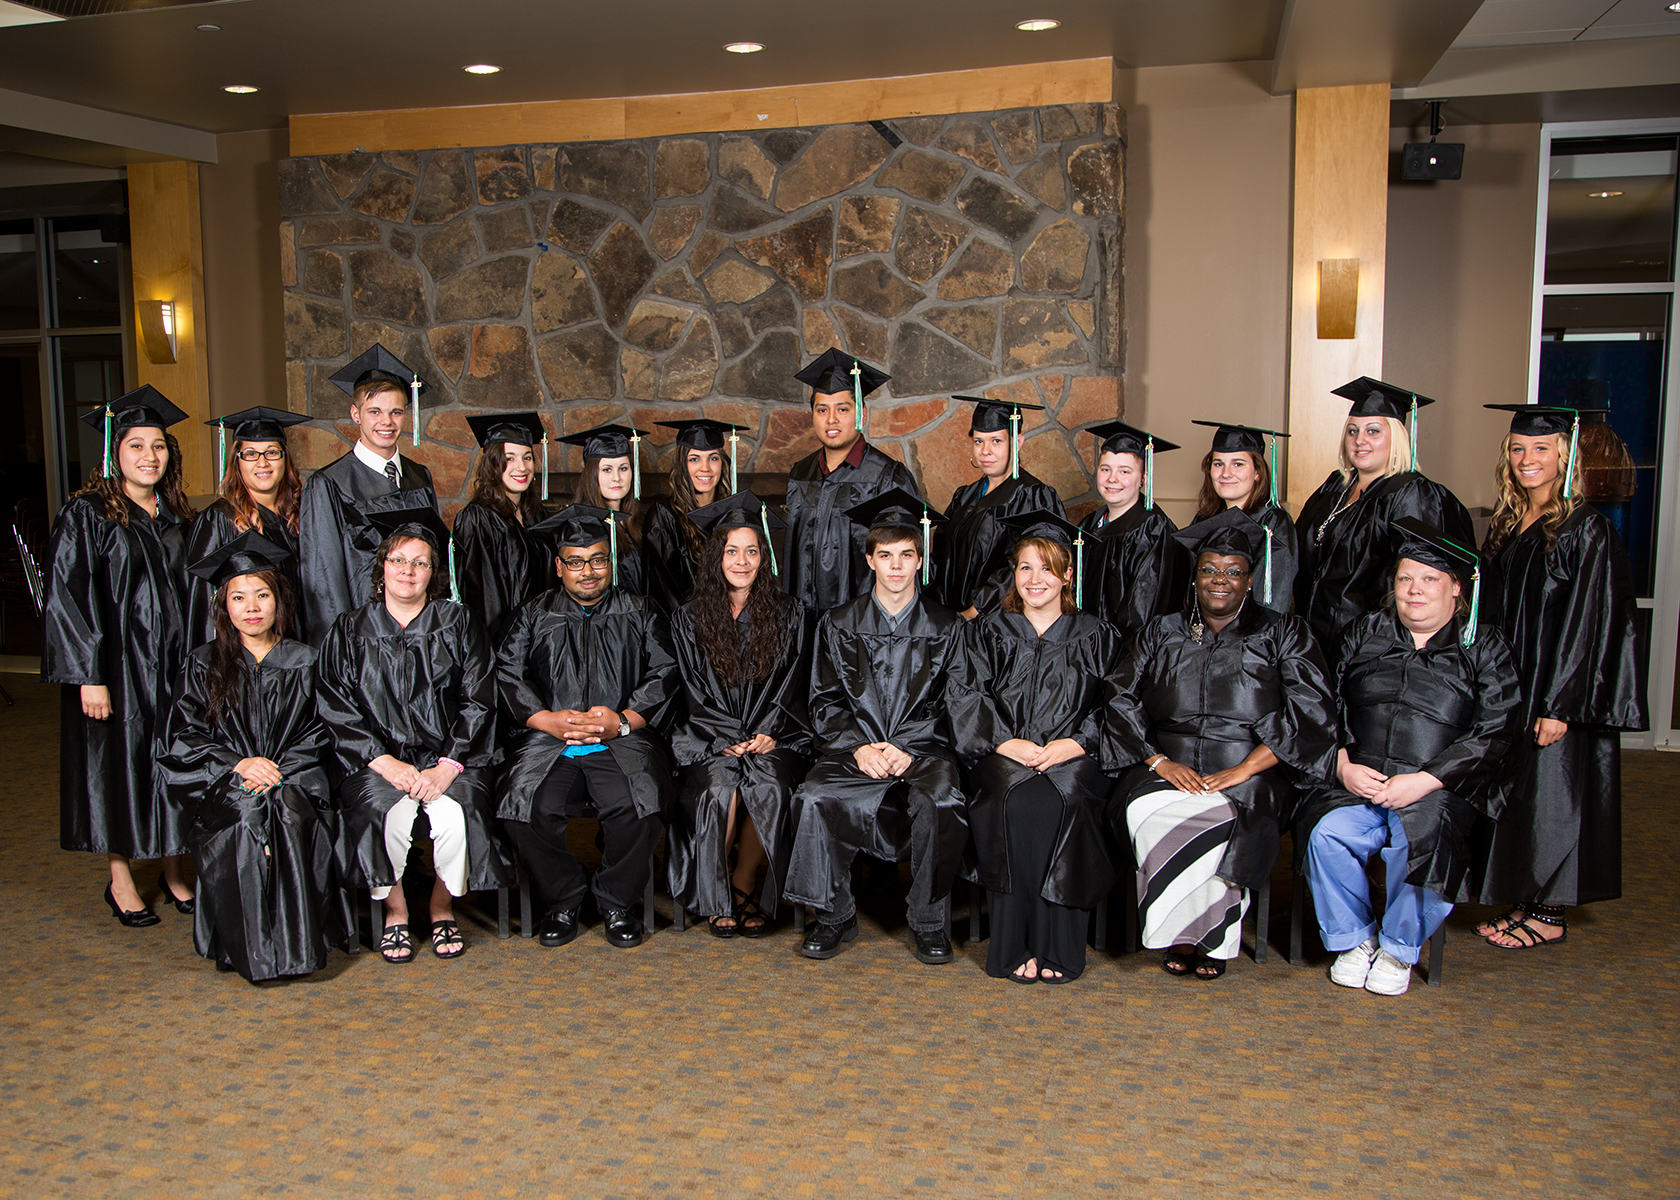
{"x": 622, "y": 928}
{"x": 184, "y": 907}
{"x": 825, "y": 941}
{"x": 934, "y": 948}
{"x": 133, "y": 920}
{"x": 557, "y": 927}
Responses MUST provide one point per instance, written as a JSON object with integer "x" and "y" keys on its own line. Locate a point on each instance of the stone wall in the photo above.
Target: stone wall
{"x": 685, "y": 276}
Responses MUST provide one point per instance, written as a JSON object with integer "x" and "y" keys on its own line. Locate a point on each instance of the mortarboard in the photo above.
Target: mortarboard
{"x": 1117, "y": 437}
{"x": 743, "y": 510}
{"x": 1425, "y": 544}
{"x": 900, "y": 507}
{"x": 245, "y": 554}
{"x": 380, "y": 363}
{"x": 143, "y": 408}
{"x": 707, "y": 434}
{"x": 1230, "y": 531}
{"x": 833, "y": 371}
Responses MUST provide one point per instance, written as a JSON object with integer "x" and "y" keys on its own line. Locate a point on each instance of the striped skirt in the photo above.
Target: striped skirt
{"x": 1179, "y": 838}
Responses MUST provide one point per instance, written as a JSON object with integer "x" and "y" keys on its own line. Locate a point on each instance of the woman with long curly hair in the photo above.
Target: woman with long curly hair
{"x": 744, "y": 655}
{"x": 702, "y": 474}
{"x": 1565, "y": 602}
{"x": 502, "y": 563}
{"x": 242, "y": 754}
{"x": 1235, "y": 474}
{"x": 612, "y": 479}
{"x": 114, "y": 636}
{"x": 259, "y": 491}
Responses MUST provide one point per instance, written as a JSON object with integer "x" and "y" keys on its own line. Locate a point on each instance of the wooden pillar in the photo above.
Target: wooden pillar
{"x": 1341, "y": 213}
{"x": 166, "y": 253}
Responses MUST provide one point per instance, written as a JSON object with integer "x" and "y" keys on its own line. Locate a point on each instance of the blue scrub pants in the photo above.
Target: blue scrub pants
{"x": 1337, "y": 851}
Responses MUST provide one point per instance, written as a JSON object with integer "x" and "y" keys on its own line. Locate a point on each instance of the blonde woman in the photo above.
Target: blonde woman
{"x": 1565, "y": 602}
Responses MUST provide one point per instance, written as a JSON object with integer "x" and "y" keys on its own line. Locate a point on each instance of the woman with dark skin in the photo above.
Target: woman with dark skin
{"x": 703, "y": 473}
{"x": 1235, "y": 474}
{"x": 611, "y": 479}
{"x": 1134, "y": 569}
{"x": 502, "y": 563}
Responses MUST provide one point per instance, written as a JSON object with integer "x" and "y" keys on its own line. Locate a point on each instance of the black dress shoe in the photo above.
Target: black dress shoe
{"x": 622, "y": 928}
{"x": 184, "y": 907}
{"x": 824, "y": 941}
{"x": 558, "y": 927}
{"x": 134, "y": 920}
{"x": 933, "y": 948}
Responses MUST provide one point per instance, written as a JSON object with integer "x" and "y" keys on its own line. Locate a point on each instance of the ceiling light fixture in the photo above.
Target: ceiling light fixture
{"x": 1036, "y": 25}
{"x": 211, "y": 28}
{"x": 1602, "y": 195}
{"x": 481, "y": 69}
{"x": 239, "y": 89}
{"x": 1675, "y": 7}
{"x": 743, "y": 47}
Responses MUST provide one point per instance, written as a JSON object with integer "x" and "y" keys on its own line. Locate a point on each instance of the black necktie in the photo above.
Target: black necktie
{"x": 391, "y": 472}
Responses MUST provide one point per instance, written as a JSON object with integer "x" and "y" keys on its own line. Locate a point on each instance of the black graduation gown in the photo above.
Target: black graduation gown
{"x": 1134, "y": 569}
{"x": 666, "y": 557}
{"x": 115, "y": 615}
{"x": 822, "y": 558}
{"x": 338, "y": 543}
{"x": 418, "y": 694}
{"x": 557, "y": 654}
{"x": 1347, "y": 561}
{"x": 1285, "y": 560}
{"x": 873, "y": 682}
{"x": 211, "y": 530}
{"x": 1260, "y": 681}
{"x": 1013, "y": 683}
{"x": 268, "y": 897}
{"x": 499, "y": 564}
{"x": 973, "y": 545}
{"x": 1448, "y": 709}
{"x": 715, "y": 717}
{"x": 1570, "y": 619}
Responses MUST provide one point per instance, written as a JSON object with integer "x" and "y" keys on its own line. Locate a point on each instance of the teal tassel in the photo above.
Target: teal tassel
{"x": 764, "y": 521}
{"x": 1469, "y": 638}
{"x": 857, "y": 395}
{"x": 1079, "y": 572}
{"x": 108, "y": 468}
{"x": 635, "y": 467}
{"x": 1015, "y": 443}
{"x": 1411, "y": 429}
{"x": 1274, "y": 479}
{"x": 454, "y": 587}
{"x": 612, "y": 539}
{"x": 927, "y": 548}
{"x": 414, "y": 403}
{"x": 1574, "y": 446}
{"x": 221, "y": 452}
{"x": 1266, "y": 585}
{"x": 735, "y": 457}
{"x": 545, "y": 464}
{"x": 1149, "y": 475}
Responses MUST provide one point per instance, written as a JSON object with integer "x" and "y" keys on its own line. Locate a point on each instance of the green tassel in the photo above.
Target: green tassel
{"x": 1411, "y": 429}
{"x": 414, "y": 403}
{"x": 545, "y": 464}
{"x": 1149, "y": 475}
{"x": 612, "y": 539}
{"x": 107, "y": 469}
{"x": 1015, "y": 443}
{"x": 857, "y": 396}
{"x": 635, "y": 467}
{"x": 454, "y": 587}
{"x": 1574, "y": 446}
{"x": 1469, "y": 638}
{"x": 735, "y": 457}
{"x": 764, "y": 521}
{"x": 221, "y": 452}
{"x": 1266, "y": 585}
{"x": 927, "y": 548}
{"x": 1079, "y": 571}
{"x": 1274, "y": 479}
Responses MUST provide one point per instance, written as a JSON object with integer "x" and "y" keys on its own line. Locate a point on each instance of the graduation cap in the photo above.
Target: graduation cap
{"x": 612, "y": 441}
{"x": 518, "y": 429}
{"x": 1231, "y": 439}
{"x": 900, "y": 507}
{"x": 1042, "y": 523}
{"x": 1374, "y": 398}
{"x": 1425, "y": 544}
{"x": 833, "y": 371}
{"x": 259, "y": 424}
{"x": 380, "y": 363}
{"x": 707, "y": 434}
{"x": 1537, "y": 420}
{"x": 246, "y": 554}
{"x": 143, "y": 408}
{"x": 1117, "y": 437}
{"x": 994, "y": 416}
{"x": 1230, "y": 531}
{"x": 743, "y": 510}
{"x": 579, "y": 525}
{"x": 421, "y": 522}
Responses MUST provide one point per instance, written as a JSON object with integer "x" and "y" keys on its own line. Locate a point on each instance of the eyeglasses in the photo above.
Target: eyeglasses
{"x": 578, "y": 564}
{"x": 272, "y": 454}
{"x": 1228, "y": 573}
{"x": 419, "y": 564}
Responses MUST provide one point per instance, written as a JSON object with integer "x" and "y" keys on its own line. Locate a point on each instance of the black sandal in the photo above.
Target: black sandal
{"x": 746, "y": 910}
{"x": 1208, "y": 967}
{"x": 447, "y": 933}
{"x": 1511, "y": 916}
{"x": 396, "y": 946}
{"x": 1016, "y": 977}
{"x": 724, "y": 931}
{"x": 1527, "y": 936}
{"x": 1178, "y": 964}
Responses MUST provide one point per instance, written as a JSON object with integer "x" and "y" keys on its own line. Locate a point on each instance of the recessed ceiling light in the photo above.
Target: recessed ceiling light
{"x": 239, "y": 89}
{"x": 1601, "y": 195}
{"x": 211, "y": 28}
{"x": 1036, "y": 25}
{"x": 744, "y": 47}
{"x": 1675, "y": 7}
{"x": 481, "y": 69}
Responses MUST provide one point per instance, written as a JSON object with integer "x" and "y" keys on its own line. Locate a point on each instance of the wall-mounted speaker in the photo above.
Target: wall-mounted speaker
{"x": 1432, "y": 160}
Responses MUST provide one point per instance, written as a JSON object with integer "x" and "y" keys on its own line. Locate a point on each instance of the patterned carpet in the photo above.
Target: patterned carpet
{"x": 695, "y": 1067}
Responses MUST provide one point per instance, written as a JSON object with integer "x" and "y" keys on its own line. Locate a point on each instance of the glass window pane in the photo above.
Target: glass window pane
{"x": 1608, "y": 351}
{"x": 85, "y": 274}
{"x": 90, "y": 373}
{"x": 1610, "y": 210}
{"x": 19, "y": 294}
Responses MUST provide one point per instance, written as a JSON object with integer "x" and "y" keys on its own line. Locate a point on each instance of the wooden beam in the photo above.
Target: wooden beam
{"x": 1341, "y": 212}
{"x": 166, "y": 254}
{"x": 1086, "y": 80}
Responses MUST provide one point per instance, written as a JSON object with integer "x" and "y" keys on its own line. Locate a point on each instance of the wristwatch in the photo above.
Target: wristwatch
{"x": 623, "y": 726}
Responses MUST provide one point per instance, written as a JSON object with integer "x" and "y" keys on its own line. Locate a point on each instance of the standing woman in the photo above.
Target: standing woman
{"x": 1566, "y": 604}
{"x": 114, "y": 635}
{"x": 703, "y": 474}
{"x": 502, "y": 563}
{"x": 973, "y": 568}
{"x": 1030, "y": 711}
{"x": 407, "y": 687}
{"x": 612, "y": 479}
{"x": 242, "y": 754}
{"x": 1235, "y": 474}
{"x": 1134, "y": 567}
{"x": 743, "y": 651}
{"x": 1346, "y": 532}
{"x": 259, "y": 492}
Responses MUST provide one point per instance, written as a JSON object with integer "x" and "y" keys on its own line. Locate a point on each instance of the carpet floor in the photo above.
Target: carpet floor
{"x": 695, "y": 1067}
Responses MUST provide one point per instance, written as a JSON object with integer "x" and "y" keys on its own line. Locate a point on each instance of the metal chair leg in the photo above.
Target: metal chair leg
{"x": 1262, "y": 919}
{"x": 1297, "y": 919}
{"x": 799, "y": 920}
{"x": 975, "y": 893}
{"x": 647, "y": 896}
{"x": 949, "y": 898}
{"x": 376, "y": 919}
{"x": 1437, "y": 952}
{"x": 527, "y": 923}
{"x": 502, "y": 930}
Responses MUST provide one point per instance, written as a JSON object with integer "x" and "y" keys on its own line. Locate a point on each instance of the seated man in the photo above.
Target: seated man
{"x": 888, "y": 781}
{"x": 585, "y": 673}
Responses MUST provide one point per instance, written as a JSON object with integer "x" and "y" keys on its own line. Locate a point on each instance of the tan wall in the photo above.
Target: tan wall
{"x": 1460, "y": 280}
{"x": 1207, "y": 257}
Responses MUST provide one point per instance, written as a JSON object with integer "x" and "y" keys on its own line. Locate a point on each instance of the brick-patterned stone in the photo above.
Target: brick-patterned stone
{"x": 387, "y": 195}
{"x": 288, "y": 254}
{"x": 982, "y": 270}
{"x": 896, "y": 420}
{"x": 873, "y": 287}
{"x": 560, "y": 293}
{"x": 655, "y": 325}
{"x": 338, "y": 231}
{"x": 1016, "y": 135}
{"x": 678, "y": 286}
{"x": 576, "y": 226}
{"x": 819, "y": 331}
{"x": 988, "y": 203}
{"x": 302, "y": 190}
{"x": 501, "y": 175}
{"x": 744, "y": 163}
{"x": 839, "y": 157}
{"x": 641, "y": 374}
{"x": 974, "y": 325}
{"x": 491, "y": 289}
{"x": 406, "y": 161}
{"x": 621, "y": 267}
{"x": 681, "y": 167}
{"x": 968, "y": 138}
{"x": 444, "y": 191}
{"x": 346, "y": 171}
{"x": 800, "y": 253}
{"x": 1058, "y": 123}
{"x": 542, "y": 166}
{"x": 1049, "y": 456}
{"x": 737, "y": 413}
{"x": 649, "y": 418}
{"x": 705, "y": 251}
{"x": 501, "y": 373}
{"x": 616, "y": 172}
{"x": 1092, "y": 398}
{"x": 312, "y": 447}
{"x": 323, "y": 273}
{"x": 313, "y": 328}
{"x": 733, "y": 211}
{"x": 733, "y": 281}
{"x": 927, "y": 242}
{"x": 1056, "y": 260}
{"x": 505, "y": 229}
{"x": 925, "y": 363}
{"x": 672, "y": 227}
{"x": 450, "y": 427}
{"x": 920, "y": 130}
{"x": 922, "y": 175}
{"x": 1036, "y": 334}
{"x": 788, "y": 437}
{"x": 1043, "y": 180}
{"x": 448, "y": 466}
{"x": 865, "y": 338}
{"x": 580, "y": 364}
{"x": 1084, "y": 315}
{"x": 381, "y": 288}
{"x": 766, "y": 373}
{"x": 941, "y": 458}
{"x": 1094, "y": 173}
{"x": 784, "y": 145}
{"x": 867, "y": 224}
{"x": 445, "y": 251}
{"x": 449, "y": 344}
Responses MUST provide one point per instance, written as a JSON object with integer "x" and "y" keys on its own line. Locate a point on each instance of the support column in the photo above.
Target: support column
{"x": 166, "y": 253}
{"x": 1341, "y": 212}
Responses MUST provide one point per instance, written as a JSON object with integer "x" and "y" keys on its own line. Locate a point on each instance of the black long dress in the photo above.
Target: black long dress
{"x": 1448, "y": 709}
{"x": 418, "y": 694}
{"x": 715, "y": 717}
{"x": 1348, "y": 554}
{"x": 211, "y": 530}
{"x": 1569, "y": 616}
{"x": 973, "y": 544}
{"x": 1013, "y": 682}
{"x": 268, "y": 897}
{"x": 1134, "y": 570}
{"x": 500, "y": 564}
{"x": 822, "y": 560}
{"x": 115, "y": 614}
{"x": 667, "y": 557}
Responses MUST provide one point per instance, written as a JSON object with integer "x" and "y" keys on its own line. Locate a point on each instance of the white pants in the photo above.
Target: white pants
{"x": 449, "y": 841}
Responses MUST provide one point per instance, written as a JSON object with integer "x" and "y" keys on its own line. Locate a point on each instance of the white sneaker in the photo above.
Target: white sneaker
{"x": 1388, "y": 975}
{"x": 1352, "y": 966}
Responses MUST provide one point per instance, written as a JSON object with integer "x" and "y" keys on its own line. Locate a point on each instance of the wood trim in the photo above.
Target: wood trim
{"x": 1029, "y": 85}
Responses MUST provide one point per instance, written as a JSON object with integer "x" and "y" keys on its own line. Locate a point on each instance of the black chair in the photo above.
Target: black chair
{"x": 1297, "y": 925}
{"x": 528, "y": 924}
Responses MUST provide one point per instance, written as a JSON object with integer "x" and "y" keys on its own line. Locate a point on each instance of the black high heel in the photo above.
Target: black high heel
{"x": 133, "y": 920}
{"x": 184, "y": 907}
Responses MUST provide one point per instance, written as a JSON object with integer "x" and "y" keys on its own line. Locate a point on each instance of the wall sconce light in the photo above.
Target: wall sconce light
{"x": 1338, "y": 297}
{"x": 157, "y": 330}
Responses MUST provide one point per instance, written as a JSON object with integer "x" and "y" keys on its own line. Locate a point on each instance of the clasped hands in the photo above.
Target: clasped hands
{"x": 420, "y": 786}
{"x": 257, "y": 774}
{"x": 590, "y": 728}
{"x": 881, "y": 760}
{"x": 1385, "y": 791}
{"x": 758, "y": 743}
{"x": 1040, "y": 758}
